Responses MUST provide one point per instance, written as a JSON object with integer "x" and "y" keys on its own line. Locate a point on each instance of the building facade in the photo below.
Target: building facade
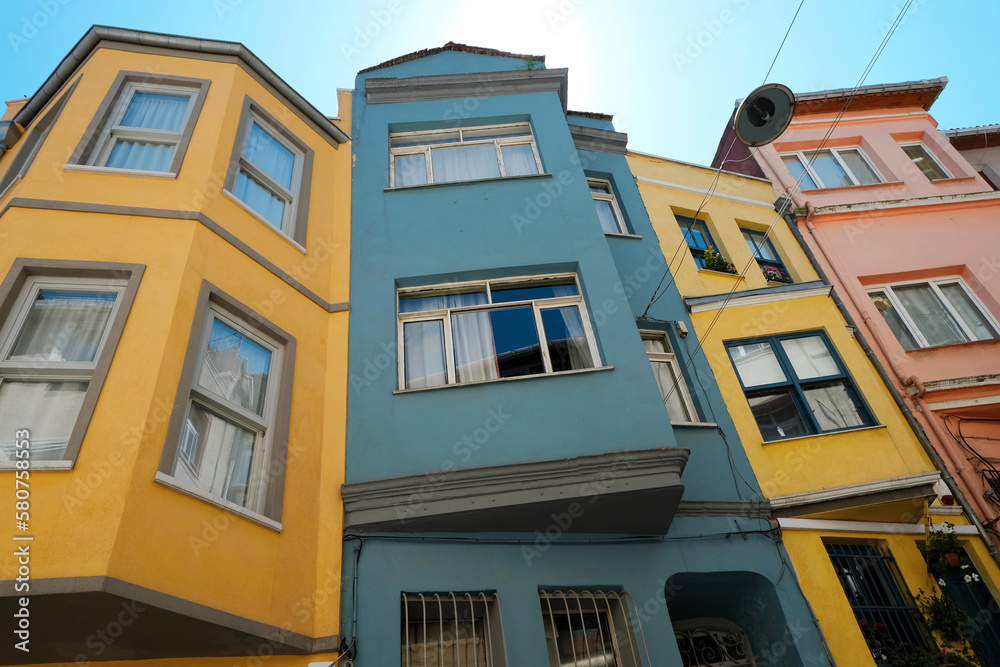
{"x": 540, "y": 467}
{"x": 174, "y": 241}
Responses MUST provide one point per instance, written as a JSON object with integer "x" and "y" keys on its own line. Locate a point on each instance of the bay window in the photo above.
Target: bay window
{"x": 462, "y": 154}
{"x": 488, "y": 330}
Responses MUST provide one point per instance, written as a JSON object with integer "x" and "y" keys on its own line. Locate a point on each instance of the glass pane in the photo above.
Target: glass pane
{"x": 410, "y": 170}
{"x": 810, "y": 357}
{"x": 270, "y": 155}
{"x": 760, "y": 247}
{"x": 601, "y": 188}
{"x": 568, "y": 347}
{"x": 477, "y": 134}
{"x": 756, "y": 364}
{"x": 864, "y": 173}
{"x": 777, "y": 415}
{"x": 924, "y": 162}
{"x": 423, "y": 350}
{"x": 155, "y": 111}
{"x": 516, "y": 342}
{"x": 235, "y": 368}
{"x": 63, "y": 326}
{"x": 519, "y": 160}
{"x": 464, "y": 163}
{"x": 670, "y": 390}
{"x": 694, "y": 233}
{"x": 261, "y": 200}
{"x": 929, "y": 314}
{"x": 215, "y": 456}
{"x": 143, "y": 155}
{"x": 47, "y": 409}
{"x": 656, "y": 345}
{"x": 414, "y": 304}
{"x": 431, "y": 643}
{"x": 424, "y": 139}
{"x": 968, "y": 311}
{"x": 582, "y": 639}
{"x": 895, "y": 322}
{"x": 833, "y": 407}
{"x": 828, "y": 169}
{"x": 606, "y": 213}
{"x": 798, "y": 172}
{"x": 507, "y": 294}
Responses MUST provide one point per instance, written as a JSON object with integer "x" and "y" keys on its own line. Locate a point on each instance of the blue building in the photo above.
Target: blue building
{"x": 527, "y": 482}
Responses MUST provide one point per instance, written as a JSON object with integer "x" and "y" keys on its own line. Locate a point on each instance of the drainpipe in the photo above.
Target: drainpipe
{"x": 783, "y": 205}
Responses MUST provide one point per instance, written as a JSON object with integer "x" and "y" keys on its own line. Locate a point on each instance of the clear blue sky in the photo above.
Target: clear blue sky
{"x": 669, "y": 71}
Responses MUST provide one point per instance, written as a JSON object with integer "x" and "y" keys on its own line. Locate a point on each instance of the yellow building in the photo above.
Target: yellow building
{"x": 847, "y": 479}
{"x": 174, "y": 258}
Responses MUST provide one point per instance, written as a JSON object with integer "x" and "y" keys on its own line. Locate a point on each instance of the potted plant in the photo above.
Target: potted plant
{"x": 943, "y": 551}
{"x": 713, "y": 261}
{"x": 774, "y": 274}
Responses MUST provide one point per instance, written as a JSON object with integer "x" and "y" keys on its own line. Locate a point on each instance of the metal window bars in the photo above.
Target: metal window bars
{"x": 452, "y": 630}
{"x": 592, "y": 629}
{"x": 712, "y": 643}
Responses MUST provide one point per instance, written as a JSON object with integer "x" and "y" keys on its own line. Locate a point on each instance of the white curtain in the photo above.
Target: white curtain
{"x": 267, "y": 153}
{"x": 235, "y": 368}
{"x": 519, "y": 160}
{"x": 475, "y": 350}
{"x": 423, "y": 344}
{"x": 269, "y": 207}
{"x": 930, "y": 316}
{"x": 833, "y": 407}
{"x": 410, "y": 170}
{"x": 607, "y": 216}
{"x": 64, "y": 326}
{"x": 154, "y": 111}
{"x": 568, "y": 348}
{"x": 145, "y": 155}
{"x": 464, "y": 163}
{"x": 968, "y": 311}
{"x": 47, "y": 409}
{"x": 756, "y": 364}
{"x": 224, "y": 456}
{"x": 441, "y": 301}
{"x": 810, "y": 357}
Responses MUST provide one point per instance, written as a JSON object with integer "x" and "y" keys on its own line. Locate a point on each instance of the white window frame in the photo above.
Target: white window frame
{"x": 680, "y": 387}
{"x": 609, "y": 197}
{"x": 54, "y": 371}
{"x": 930, "y": 154}
{"x": 113, "y": 131}
{"x": 618, "y": 608}
{"x": 450, "y": 607}
{"x": 426, "y": 148}
{"x": 537, "y": 305}
{"x": 261, "y": 425}
{"x": 807, "y": 166}
{"x": 935, "y": 285}
{"x": 255, "y": 173}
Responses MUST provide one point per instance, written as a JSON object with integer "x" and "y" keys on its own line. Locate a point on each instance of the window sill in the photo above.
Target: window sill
{"x": 935, "y": 348}
{"x": 171, "y": 483}
{"x": 954, "y": 179}
{"x": 620, "y": 235}
{"x": 886, "y": 184}
{"x": 721, "y": 273}
{"x": 478, "y": 180}
{"x": 9, "y": 466}
{"x": 233, "y": 198}
{"x": 694, "y": 424}
{"x": 119, "y": 172}
{"x": 827, "y": 433}
{"x": 500, "y": 380}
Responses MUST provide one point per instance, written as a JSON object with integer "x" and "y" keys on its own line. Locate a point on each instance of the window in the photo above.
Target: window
{"x": 590, "y": 628}
{"x": 796, "y": 385}
{"x": 831, "y": 168}
{"x": 464, "y": 154}
{"x": 932, "y": 313}
{"x": 269, "y": 172}
{"x": 922, "y": 157}
{"x": 226, "y": 442}
{"x": 767, "y": 257}
{"x": 698, "y": 239}
{"x": 144, "y": 124}
{"x": 474, "y": 332}
{"x": 457, "y": 629}
{"x": 876, "y": 592}
{"x": 669, "y": 377}
{"x": 607, "y": 206}
{"x": 58, "y": 335}
{"x": 709, "y": 642}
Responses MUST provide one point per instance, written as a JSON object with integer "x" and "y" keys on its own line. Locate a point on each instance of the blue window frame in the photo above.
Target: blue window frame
{"x": 698, "y": 239}
{"x": 767, "y": 257}
{"x": 796, "y": 385}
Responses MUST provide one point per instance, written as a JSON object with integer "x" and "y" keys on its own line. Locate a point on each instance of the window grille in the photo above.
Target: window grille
{"x": 875, "y": 589}
{"x": 452, "y": 630}
{"x": 712, "y": 643}
{"x": 593, "y": 629}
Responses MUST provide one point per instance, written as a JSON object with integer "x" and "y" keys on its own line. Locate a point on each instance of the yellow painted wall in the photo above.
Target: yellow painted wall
{"x": 108, "y": 517}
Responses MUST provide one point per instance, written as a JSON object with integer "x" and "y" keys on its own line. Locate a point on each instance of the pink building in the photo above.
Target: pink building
{"x": 905, "y": 222}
